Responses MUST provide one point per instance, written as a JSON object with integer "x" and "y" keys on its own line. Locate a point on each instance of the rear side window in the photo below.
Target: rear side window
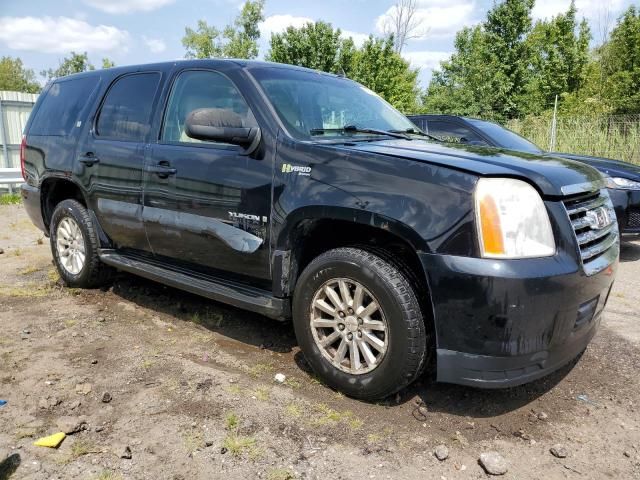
{"x": 126, "y": 110}
{"x": 453, "y": 133}
{"x": 62, "y": 105}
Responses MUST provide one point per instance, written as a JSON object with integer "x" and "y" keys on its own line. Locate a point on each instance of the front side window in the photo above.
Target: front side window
{"x": 195, "y": 89}
{"x": 126, "y": 111}
{"x": 314, "y": 105}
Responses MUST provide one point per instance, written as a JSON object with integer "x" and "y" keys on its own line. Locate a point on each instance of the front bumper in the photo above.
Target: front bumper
{"x": 501, "y": 323}
{"x": 627, "y": 206}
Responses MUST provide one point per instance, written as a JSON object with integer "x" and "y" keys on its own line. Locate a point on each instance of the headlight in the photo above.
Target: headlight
{"x": 621, "y": 183}
{"x": 512, "y": 220}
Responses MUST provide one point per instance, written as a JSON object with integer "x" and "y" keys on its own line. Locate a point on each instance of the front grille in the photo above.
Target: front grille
{"x": 594, "y": 222}
{"x": 633, "y": 220}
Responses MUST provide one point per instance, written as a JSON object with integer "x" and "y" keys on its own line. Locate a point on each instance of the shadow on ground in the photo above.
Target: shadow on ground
{"x": 629, "y": 251}
{"x": 9, "y": 465}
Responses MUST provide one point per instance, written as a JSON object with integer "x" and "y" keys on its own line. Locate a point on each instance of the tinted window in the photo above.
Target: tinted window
{"x": 201, "y": 89}
{"x": 505, "y": 138}
{"x": 454, "y": 133}
{"x": 61, "y": 106}
{"x": 126, "y": 111}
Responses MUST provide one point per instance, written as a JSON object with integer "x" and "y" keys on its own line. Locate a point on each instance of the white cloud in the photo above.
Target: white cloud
{"x": 127, "y": 6}
{"x": 426, "y": 59}
{"x": 279, "y": 23}
{"x": 60, "y": 35}
{"x": 357, "y": 37}
{"x": 437, "y": 18}
{"x": 155, "y": 45}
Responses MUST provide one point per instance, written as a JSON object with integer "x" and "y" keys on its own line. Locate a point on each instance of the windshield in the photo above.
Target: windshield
{"x": 505, "y": 138}
{"x": 316, "y": 106}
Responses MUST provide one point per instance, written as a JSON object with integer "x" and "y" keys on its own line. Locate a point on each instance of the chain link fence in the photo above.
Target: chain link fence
{"x": 614, "y": 136}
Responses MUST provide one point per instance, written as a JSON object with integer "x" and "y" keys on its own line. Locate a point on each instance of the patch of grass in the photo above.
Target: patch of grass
{"x": 293, "y": 383}
{"x": 29, "y": 290}
{"x": 83, "y": 447}
{"x": 193, "y": 440}
{"x": 195, "y": 318}
{"x": 234, "y": 389}
{"x": 10, "y": 199}
{"x": 294, "y": 410}
{"x": 260, "y": 369}
{"x": 53, "y": 275}
{"x": 147, "y": 363}
{"x": 30, "y": 269}
{"x": 236, "y": 444}
{"x": 108, "y": 475}
{"x": 232, "y": 421}
{"x": 25, "y": 433}
{"x": 262, "y": 393}
{"x": 280, "y": 474}
{"x": 328, "y": 416}
{"x": 17, "y": 252}
{"x": 69, "y": 322}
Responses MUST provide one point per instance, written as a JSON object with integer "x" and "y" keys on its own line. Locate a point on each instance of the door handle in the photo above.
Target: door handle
{"x": 88, "y": 159}
{"x": 163, "y": 171}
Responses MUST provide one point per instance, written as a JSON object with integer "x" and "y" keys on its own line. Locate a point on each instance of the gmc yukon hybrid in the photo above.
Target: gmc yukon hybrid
{"x": 299, "y": 194}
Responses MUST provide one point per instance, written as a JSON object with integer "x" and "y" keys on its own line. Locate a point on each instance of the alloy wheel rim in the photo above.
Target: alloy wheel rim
{"x": 70, "y": 245}
{"x": 349, "y": 326}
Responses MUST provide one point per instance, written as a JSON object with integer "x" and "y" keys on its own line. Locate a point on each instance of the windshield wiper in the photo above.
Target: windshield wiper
{"x": 413, "y": 131}
{"x": 355, "y": 129}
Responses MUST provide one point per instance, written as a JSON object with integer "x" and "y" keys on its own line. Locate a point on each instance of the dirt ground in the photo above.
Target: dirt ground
{"x": 193, "y": 393}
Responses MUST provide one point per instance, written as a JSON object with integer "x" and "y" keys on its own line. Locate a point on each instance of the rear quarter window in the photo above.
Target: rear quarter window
{"x": 62, "y": 106}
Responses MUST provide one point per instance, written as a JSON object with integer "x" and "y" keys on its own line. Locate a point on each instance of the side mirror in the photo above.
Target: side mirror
{"x": 221, "y": 125}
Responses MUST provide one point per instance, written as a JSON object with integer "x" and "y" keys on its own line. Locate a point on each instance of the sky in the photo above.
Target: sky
{"x": 42, "y": 32}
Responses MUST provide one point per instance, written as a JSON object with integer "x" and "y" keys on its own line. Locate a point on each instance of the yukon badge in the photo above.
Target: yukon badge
{"x": 247, "y": 216}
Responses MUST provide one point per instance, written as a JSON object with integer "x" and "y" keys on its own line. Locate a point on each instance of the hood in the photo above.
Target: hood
{"x": 553, "y": 176}
{"x": 613, "y": 168}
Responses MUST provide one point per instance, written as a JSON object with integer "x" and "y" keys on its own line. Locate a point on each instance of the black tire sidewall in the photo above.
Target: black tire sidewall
{"x": 75, "y": 211}
{"x": 384, "y": 378}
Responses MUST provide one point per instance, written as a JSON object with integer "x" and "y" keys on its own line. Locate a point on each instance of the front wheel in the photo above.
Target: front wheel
{"x": 359, "y": 323}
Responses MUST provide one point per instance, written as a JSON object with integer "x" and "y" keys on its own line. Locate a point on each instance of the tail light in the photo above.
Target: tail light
{"x": 23, "y": 152}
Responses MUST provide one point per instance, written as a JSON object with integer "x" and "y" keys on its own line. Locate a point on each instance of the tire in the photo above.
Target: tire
{"x": 93, "y": 273}
{"x": 405, "y": 337}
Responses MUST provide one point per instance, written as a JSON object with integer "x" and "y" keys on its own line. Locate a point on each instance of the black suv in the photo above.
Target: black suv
{"x": 304, "y": 195}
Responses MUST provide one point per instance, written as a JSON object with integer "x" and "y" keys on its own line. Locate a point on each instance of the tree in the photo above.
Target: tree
{"x": 238, "y": 40}
{"x": 314, "y": 45}
{"x": 108, "y": 63}
{"x": 558, "y": 61}
{"x": 402, "y": 23}
{"x": 13, "y": 76}
{"x": 378, "y": 67}
{"x": 76, "y": 63}
{"x": 488, "y": 73}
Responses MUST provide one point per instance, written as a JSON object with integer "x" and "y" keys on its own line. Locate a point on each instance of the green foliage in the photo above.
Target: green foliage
{"x": 314, "y": 45}
{"x": 376, "y": 64}
{"x": 238, "y": 40}
{"x": 108, "y": 63}
{"x": 76, "y": 63}
{"x": 10, "y": 199}
{"x": 13, "y": 76}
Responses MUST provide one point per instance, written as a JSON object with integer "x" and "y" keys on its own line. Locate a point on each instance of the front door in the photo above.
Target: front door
{"x": 112, "y": 158}
{"x": 207, "y": 203}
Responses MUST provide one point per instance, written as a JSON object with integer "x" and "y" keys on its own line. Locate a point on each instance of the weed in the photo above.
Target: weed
{"x": 69, "y": 322}
{"x": 193, "y": 440}
{"x": 147, "y": 363}
{"x": 29, "y": 269}
{"x": 108, "y": 475}
{"x": 374, "y": 438}
{"x": 195, "y": 318}
{"x": 10, "y": 199}
{"x": 82, "y": 447}
{"x": 293, "y": 383}
{"x": 29, "y": 290}
{"x": 294, "y": 410}
{"x": 328, "y": 415}
{"x": 17, "y": 252}
{"x": 237, "y": 444}
{"x": 280, "y": 474}
{"x": 262, "y": 393}
{"x": 234, "y": 389}
{"x": 232, "y": 421}
{"x": 53, "y": 275}
{"x": 260, "y": 369}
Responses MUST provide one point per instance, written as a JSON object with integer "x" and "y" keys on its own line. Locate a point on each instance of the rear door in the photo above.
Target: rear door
{"x": 111, "y": 158}
{"x": 207, "y": 203}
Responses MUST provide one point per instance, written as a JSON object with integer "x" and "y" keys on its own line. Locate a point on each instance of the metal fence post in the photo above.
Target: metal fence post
{"x": 554, "y": 126}
{"x": 4, "y": 140}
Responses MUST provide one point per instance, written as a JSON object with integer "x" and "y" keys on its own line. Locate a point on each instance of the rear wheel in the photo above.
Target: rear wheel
{"x": 359, "y": 323}
{"x": 74, "y": 244}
